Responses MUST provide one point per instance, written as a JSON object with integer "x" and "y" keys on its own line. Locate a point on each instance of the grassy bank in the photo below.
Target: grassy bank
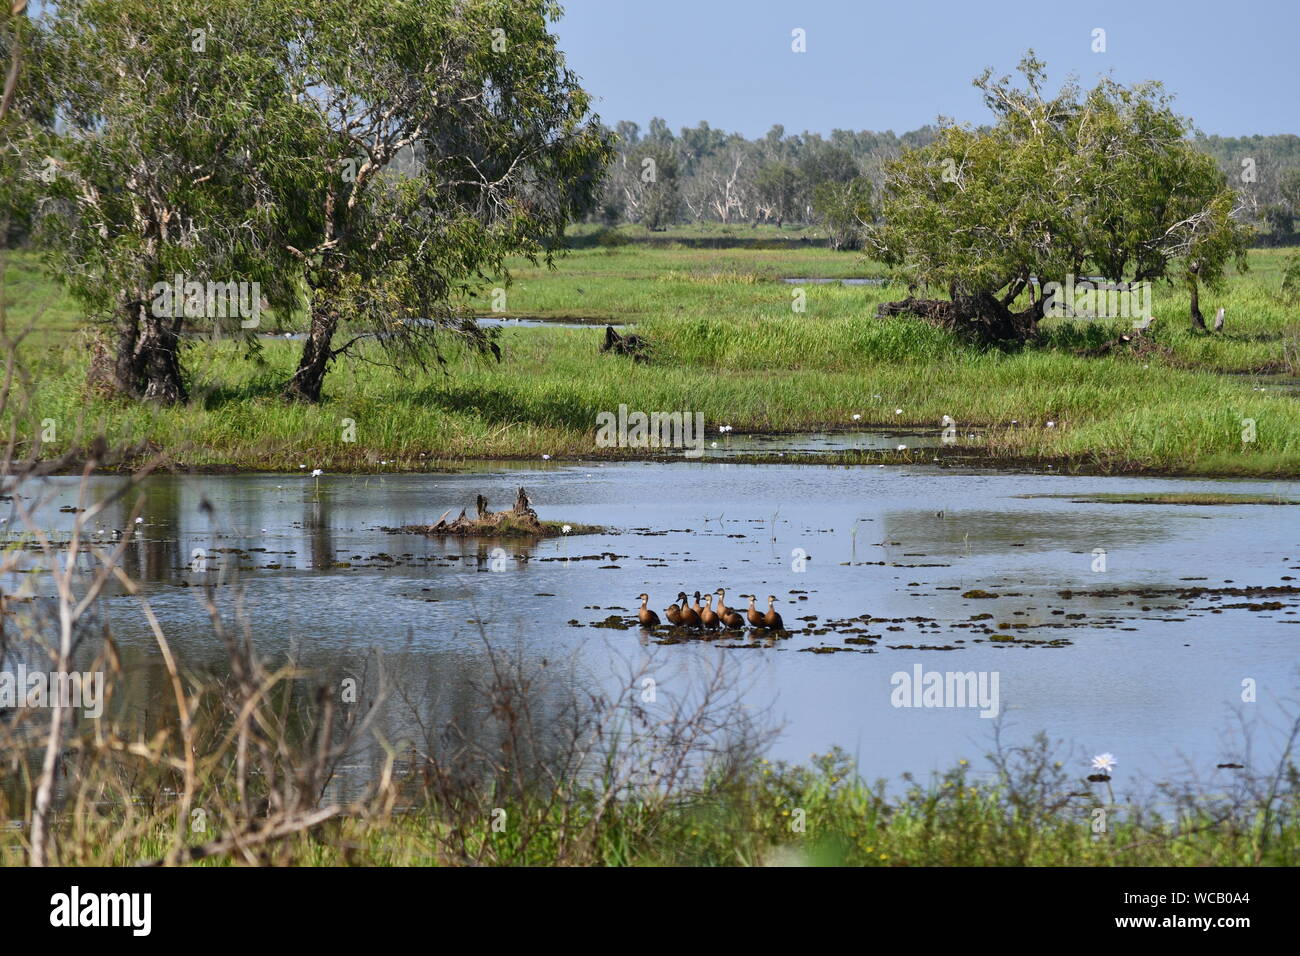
{"x": 821, "y": 813}
{"x": 726, "y": 342}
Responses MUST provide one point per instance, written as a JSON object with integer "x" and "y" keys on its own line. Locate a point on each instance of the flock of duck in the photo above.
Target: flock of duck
{"x": 706, "y": 617}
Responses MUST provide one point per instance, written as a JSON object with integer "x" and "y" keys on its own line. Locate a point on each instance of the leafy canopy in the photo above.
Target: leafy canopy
{"x": 1102, "y": 179}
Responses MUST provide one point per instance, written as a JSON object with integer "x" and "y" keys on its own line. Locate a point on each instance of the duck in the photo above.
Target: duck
{"x": 721, "y": 606}
{"x": 755, "y": 616}
{"x": 647, "y": 617}
{"x": 688, "y": 615}
{"x": 772, "y": 619}
{"x": 732, "y": 620}
{"x": 697, "y": 607}
{"x": 674, "y": 614}
{"x": 708, "y": 617}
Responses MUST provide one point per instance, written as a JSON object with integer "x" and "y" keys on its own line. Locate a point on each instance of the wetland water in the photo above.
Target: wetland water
{"x": 1133, "y": 660}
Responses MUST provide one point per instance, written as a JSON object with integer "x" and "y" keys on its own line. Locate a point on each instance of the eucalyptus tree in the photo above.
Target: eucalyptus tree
{"x": 846, "y": 209}
{"x": 445, "y": 136}
{"x": 1289, "y": 190}
{"x": 1057, "y": 186}
{"x": 170, "y": 117}
{"x": 14, "y": 34}
{"x": 781, "y": 187}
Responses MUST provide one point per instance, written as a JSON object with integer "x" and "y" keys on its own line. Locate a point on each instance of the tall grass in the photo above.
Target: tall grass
{"x": 729, "y": 345}
{"x": 241, "y": 765}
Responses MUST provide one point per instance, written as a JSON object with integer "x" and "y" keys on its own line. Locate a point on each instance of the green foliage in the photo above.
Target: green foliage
{"x": 1291, "y": 279}
{"x": 441, "y": 138}
{"x": 846, "y": 210}
{"x": 377, "y": 158}
{"x": 173, "y": 113}
{"x": 1289, "y": 188}
{"x": 656, "y": 192}
{"x": 780, "y": 187}
{"x": 726, "y": 344}
{"x": 1058, "y": 185}
{"x": 1030, "y": 811}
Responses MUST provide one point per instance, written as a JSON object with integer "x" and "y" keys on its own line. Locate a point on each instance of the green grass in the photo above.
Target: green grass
{"x": 820, "y": 814}
{"x": 725, "y": 342}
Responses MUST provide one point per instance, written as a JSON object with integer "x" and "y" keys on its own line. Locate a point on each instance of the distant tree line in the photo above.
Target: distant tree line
{"x": 703, "y": 174}
{"x": 1265, "y": 171}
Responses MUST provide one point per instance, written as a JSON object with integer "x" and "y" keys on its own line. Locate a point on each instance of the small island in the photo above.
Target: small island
{"x": 520, "y": 521}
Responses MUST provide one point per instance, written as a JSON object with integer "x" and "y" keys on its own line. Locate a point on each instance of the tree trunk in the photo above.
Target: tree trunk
{"x": 146, "y": 355}
{"x": 159, "y": 356}
{"x": 305, "y": 386}
{"x": 1198, "y": 320}
{"x": 127, "y": 374}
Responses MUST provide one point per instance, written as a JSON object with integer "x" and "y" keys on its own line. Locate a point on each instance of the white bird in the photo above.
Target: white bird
{"x": 1218, "y": 320}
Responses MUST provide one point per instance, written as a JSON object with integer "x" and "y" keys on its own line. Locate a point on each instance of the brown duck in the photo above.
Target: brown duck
{"x": 674, "y": 614}
{"x": 721, "y": 606}
{"x": 690, "y": 618}
{"x": 755, "y": 616}
{"x": 708, "y": 617}
{"x": 772, "y": 619}
{"x": 647, "y": 617}
{"x": 732, "y": 620}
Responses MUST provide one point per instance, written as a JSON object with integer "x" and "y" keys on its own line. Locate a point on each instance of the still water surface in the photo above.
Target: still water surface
{"x": 1155, "y": 679}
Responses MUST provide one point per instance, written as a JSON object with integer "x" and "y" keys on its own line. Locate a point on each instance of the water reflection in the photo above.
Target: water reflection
{"x": 309, "y": 569}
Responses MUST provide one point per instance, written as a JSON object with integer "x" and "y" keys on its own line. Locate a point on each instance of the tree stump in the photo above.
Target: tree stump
{"x": 632, "y": 345}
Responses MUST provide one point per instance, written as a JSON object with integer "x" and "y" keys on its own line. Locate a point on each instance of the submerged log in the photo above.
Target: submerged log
{"x": 633, "y": 345}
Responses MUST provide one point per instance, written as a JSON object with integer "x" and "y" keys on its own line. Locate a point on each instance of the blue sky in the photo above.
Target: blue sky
{"x": 870, "y": 64}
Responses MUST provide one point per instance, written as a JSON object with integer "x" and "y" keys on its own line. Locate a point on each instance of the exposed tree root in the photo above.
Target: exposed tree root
{"x": 979, "y": 318}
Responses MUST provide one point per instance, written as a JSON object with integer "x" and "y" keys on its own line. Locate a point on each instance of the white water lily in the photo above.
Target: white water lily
{"x": 1104, "y": 762}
